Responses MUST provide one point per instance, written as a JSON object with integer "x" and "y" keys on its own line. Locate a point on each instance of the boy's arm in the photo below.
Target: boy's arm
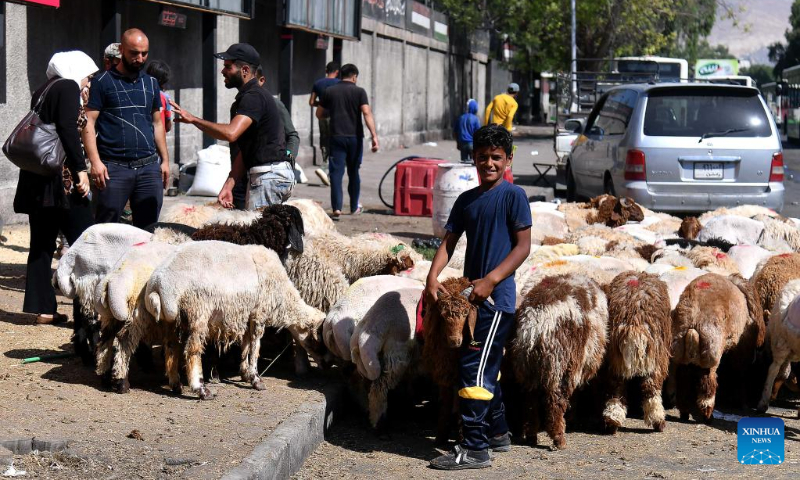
{"x": 511, "y": 112}
{"x": 440, "y": 260}
{"x": 485, "y": 286}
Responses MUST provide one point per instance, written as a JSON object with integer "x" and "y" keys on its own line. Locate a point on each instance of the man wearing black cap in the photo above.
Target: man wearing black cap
{"x": 257, "y": 130}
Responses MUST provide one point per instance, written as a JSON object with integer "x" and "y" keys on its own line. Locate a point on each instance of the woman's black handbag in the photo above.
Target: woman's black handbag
{"x": 33, "y": 145}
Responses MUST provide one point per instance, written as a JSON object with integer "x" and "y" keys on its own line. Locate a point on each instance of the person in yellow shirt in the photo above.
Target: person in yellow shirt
{"x": 503, "y": 107}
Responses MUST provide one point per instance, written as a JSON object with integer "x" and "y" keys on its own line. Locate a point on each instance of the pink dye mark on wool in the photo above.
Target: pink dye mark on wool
{"x": 633, "y": 282}
{"x": 720, "y": 255}
{"x": 189, "y": 209}
{"x": 702, "y": 285}
{"x": 139, "y": 244}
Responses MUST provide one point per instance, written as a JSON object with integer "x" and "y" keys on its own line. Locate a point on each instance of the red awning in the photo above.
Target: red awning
{"x": 48, "y": 3}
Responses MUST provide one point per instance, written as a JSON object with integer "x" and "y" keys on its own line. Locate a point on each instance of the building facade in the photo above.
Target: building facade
{"x": 417, "y": 76}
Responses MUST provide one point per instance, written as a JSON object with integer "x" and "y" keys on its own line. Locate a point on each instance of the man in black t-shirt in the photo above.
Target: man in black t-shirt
{"x": 345, "y": 103}
{"x": 257, "y": 130}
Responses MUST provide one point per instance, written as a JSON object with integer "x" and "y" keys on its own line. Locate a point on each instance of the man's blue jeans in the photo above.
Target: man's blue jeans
{"x": 142, "y": 186}
{"x": 346, "y": 153}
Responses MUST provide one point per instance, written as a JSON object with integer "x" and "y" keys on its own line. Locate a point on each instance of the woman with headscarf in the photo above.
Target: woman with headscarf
{"x": 59, "y": 202}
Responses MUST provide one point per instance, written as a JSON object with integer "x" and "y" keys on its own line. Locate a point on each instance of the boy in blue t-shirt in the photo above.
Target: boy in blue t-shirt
{"x": 497, "y": 220}
{"x": 465, "y": 128}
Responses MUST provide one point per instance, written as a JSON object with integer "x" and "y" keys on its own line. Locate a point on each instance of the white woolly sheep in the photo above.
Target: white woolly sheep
{"x": 420, "y": 270}
{"x": 559, "y": 346}
{"x": 550, "y": 223}
{"x": 125, "y": 321}
{"x": 784, "y": 341}
{"x": 339, "y": 324}
{"x": 383, "y": 346}
{"x": 358, "y": 260}
{"x": 746, "y": 211}
{"x": 747, "y": 258}
{"x": 315, "y": 219}
{"x": 733, "y": 229}
{"x": 780, "y": 234}
{"x": 86, "y": 262}
{"x": 195, "y": 288}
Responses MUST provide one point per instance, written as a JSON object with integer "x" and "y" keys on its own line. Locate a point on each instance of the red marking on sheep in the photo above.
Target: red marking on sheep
{"x": 720, "y": 255}
{"x": 702, "y": 285}
{"x": 784, "y": 255}
{"x": 633, "y": 282}
{"x": 189, "y": 209}
{"x": 139, "y": 244}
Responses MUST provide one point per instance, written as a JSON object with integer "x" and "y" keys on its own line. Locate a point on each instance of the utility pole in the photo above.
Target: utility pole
{"x": 573, "y": 62}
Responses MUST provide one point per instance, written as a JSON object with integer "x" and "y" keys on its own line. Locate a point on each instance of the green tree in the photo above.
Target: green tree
{"x": 539, "y": 29}
{"x": 760, "y": 73}
{"x": 788, "y": 54}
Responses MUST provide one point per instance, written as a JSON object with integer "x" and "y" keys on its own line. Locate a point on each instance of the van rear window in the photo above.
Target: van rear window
{"x": 693, "y": 112}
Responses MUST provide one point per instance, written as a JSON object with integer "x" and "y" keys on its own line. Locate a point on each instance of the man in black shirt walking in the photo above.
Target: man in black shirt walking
{"x": 257, "y": 130}
{"x": 346, "y": 103}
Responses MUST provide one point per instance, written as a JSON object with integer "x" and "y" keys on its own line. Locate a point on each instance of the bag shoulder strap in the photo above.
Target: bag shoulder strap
{"x": 37, "y": 107}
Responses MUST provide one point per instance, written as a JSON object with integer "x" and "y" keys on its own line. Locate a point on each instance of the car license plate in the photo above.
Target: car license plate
{"x": 707, "y": 171}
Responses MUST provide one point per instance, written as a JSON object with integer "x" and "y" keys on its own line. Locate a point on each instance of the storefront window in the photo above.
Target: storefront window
{"x": 239, "y": 8}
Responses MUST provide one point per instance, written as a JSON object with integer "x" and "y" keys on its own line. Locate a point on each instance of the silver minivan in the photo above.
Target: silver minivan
{"x": 680, "y": 147}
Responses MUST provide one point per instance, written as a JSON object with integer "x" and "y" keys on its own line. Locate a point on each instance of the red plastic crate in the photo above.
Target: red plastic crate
{"x": 413, "y": 186}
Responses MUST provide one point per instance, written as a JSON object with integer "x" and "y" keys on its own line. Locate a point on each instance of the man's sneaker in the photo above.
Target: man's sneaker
{"x": 500, "y": 443}
{"x": 358, "y": 211}
{"x": 323, "y": 176}
{"x": 462, "y": 459}
{"x": 336, "y": 215}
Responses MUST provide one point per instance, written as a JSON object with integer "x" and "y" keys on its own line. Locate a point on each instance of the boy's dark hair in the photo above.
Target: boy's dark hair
{"x": 494, "y": 136}
{"x": 331, "y": 67}
{"x": 348, "y": 71}
{"x": 160, "y": 71}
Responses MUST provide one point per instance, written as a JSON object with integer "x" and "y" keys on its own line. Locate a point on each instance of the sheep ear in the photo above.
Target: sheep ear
{"x": 472, "y": 318}
{"x": 295, "y": 238}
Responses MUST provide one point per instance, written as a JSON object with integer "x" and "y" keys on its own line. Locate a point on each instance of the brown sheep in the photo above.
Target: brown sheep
{"x": 447, "y": 325}
{"x": 714, "y": 316}
{"x": 690, "y": 227}
{"x": 559, "y": 346}
{"x": 615, "y": 212}
{"x": 772, "y": 277}
{"x": 639, "y": 340}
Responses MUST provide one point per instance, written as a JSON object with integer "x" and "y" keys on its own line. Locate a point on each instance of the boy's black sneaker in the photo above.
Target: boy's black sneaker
{"x": 462, "y": 459}
{"x": 500, "y": 443}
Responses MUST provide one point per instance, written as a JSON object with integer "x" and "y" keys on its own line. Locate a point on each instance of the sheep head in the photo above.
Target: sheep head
{"x": 399, "y": 260}
{"x": 690, "y": 227}
{"x": 457, "y": 314}
{"x": 292, "y": 222}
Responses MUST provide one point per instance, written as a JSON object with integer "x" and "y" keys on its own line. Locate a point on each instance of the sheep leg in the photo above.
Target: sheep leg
{"x": 244, "y": 365}
{"x": 301, "y": 363}
{"x": 194, "y": 367}
{"x": 685, "y": 389}
{"x": 783, "y": 375}
{"x": 379, "y": 394}
{"x": 670, "y": 385}
{"x": 616, "y": 410}
{"x": 532, "y": 418}
{"x": 210, "y": 362}
{"x": 706, "y": 394}
{"x": 777, "y": 365}
{"x": 446, "y": 399}
{"x": 555, "y": 406}
{"x": 172, "y": 365}
{"x": 105, "y": 350}
{"x": 255, "y": 350}
{"x": 651, "y": 403}
{"x": 128, "y": 339}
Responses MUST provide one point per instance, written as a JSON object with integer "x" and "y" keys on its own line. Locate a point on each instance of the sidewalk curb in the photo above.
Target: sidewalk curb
{"x": 286, "y": 448}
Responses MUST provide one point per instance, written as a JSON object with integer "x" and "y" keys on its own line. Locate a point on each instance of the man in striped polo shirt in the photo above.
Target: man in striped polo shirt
{"x": 124, "y": 137}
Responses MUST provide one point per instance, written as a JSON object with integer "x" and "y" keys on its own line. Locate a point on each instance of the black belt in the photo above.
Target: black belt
{"x": 138, "y": 163}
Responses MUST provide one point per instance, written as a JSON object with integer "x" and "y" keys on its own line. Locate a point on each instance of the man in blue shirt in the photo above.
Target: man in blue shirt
{"x": 331, "y": 78}
{"x": 124, "y": 138}
{"x": 467, "y": 124}
{"x": 497, "y": 220}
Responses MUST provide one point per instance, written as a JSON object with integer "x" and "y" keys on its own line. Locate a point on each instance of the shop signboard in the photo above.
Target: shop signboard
{"x": 46, "y": 3}
{"x": 707, "y": 68}
{"x": 440, "y": 29}
{"x": 395, "y": 11}
{"x": 337, "y": 18}
{"x": 171, "y": 18}
{"x": 418, "y": 18}
{"x": 236, "y": 8}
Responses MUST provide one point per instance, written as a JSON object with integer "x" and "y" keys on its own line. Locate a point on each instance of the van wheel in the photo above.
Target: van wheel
{"x": 608, "y": 186}
{"x": 572, "y": 196}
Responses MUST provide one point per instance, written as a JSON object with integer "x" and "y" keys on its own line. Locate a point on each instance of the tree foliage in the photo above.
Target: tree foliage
{"x": 540, "y": 29}
{"x": 760, "y": 73}
{"x": 788, "y": 54}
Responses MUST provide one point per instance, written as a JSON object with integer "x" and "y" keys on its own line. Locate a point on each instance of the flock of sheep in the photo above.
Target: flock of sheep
{"x": 612, "y": 296}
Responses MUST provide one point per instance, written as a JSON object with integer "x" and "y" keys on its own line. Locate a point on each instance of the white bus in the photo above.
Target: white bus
{"x": 731, "y": 80}
{"x": 667, "y": 69}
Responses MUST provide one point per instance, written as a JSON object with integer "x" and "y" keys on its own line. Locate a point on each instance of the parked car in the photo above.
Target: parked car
{"x": 565, "y": 138}
{"x": 680, "y": 148}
